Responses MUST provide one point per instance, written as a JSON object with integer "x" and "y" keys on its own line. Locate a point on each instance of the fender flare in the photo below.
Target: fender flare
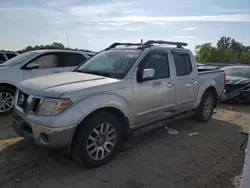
{"x": 208, "y": 84}
{"x": 97, "y": 101}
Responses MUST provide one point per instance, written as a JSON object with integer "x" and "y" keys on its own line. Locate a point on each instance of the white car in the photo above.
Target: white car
{"x": 32, "y": 64}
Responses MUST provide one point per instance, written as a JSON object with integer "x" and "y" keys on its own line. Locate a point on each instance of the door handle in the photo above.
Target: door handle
{"x": 170, "y": 85}
{"x": 57, "y": 71}
{"x": 193, "y": 81}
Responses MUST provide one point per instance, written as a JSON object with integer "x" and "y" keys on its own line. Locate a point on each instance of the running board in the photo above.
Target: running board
{"x": 161, "y": 123}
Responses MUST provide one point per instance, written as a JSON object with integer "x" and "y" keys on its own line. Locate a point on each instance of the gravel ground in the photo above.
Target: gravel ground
{"x": 211, "y": 158}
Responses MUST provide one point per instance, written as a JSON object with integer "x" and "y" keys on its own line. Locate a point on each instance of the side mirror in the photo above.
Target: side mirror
{"x": 148, "y": 74}
{"x": 145, "y": 74}
{"x": 32, "y": 66}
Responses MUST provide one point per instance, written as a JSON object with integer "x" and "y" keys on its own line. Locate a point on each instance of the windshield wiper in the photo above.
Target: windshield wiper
{"x": 77, "y": 70}
{"x": 106, "y": 74}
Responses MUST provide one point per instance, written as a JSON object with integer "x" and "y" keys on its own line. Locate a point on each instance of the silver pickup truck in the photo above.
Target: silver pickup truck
{"x": 120, "y": 90}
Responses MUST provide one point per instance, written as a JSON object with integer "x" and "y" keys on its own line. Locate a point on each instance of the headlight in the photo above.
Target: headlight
{"x": 52, "y": 107}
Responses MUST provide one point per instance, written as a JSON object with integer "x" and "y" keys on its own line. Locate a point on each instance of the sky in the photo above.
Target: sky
{"x": 96, "y": 24}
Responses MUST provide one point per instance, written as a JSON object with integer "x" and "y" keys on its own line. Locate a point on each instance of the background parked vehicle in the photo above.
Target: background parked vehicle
{"x": 237, "y": 83}
{"x": 32, "y": 64}
{"x": 6, "y": 55}
{"x": 117, "y": 92}
{"x": 202, "y": 68}
{"x": 90, "y": 54}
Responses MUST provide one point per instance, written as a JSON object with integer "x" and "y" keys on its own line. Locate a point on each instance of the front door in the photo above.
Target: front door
{"x": 47, "y": 64}
{"x": 155, "y": 97}
{"x": 186, "y": 81}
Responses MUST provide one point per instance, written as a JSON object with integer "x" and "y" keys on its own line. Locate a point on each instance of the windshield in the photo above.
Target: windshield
{"x": 111, "y": 63}
{"x": 238, "y": 72}
{"x": 19, "y": 59}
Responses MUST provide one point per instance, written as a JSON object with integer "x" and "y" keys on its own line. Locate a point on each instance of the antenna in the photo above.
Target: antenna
{"x": 67, "y": 39}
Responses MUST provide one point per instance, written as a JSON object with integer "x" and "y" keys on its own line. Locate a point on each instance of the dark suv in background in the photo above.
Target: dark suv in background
{"x": 6, "y": 55}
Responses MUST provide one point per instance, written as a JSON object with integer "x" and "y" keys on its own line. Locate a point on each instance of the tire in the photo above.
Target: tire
{"x": 205, "y": 109}
{"x": 6, "y": 104}
{"x": 90, "y": 127}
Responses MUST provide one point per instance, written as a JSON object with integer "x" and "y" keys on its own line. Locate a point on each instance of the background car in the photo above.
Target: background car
{"x": 32, "y": 64}
{"x": 6, "y": 55}
{"x": 237, "y": 83}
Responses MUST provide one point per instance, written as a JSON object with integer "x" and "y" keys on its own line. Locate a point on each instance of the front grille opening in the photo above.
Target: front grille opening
{"x": 27, "y": 128}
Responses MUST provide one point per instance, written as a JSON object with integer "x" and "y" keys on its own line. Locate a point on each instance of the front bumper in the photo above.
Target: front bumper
{"x": 242, "y": 94}
{"x": 222, "y": 96}
{"x": 44, "y": 136}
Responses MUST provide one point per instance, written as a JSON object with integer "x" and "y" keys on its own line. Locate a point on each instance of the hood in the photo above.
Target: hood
{"x": 3, "y": 68}
{"x": 236, "y": 80}
{"x": 55, "y": 85}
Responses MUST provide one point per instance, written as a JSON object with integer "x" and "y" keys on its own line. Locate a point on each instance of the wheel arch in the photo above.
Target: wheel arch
{"x": 212, "y": 90}
{"x": 113, "y": 110}
{"x": 8, "y": 86}
{"x": 208, "y": 86}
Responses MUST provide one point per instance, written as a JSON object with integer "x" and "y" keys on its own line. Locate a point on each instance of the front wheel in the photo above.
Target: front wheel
{"x": 205, "y": 110}
{"x": 98, "y": 139}
{"x": 6, "y": 100}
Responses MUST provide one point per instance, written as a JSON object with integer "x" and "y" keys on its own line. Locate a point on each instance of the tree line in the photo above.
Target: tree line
{"x": 54, "y": 45}
{"x": 227, "y": 50}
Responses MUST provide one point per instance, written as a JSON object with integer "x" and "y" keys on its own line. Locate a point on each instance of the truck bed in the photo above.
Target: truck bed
{"x": 214, "y": 76}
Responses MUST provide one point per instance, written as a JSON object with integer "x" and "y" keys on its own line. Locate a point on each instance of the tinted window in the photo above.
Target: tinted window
{"x": 25, "y": 57}
{"x": 10, "y": 55}
{"x": 158, "y": 62}
{"x": 2, "y": 58}
{"x": 70, "y": 59}
{"x": 238, "y": 72}
{"x": 182, "y": 64}
{"x": 47, "y": 61}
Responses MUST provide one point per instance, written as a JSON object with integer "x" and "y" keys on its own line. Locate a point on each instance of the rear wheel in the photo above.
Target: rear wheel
{"x": 6, "y": 100}
{"x": 205, "y": 110}
{"x": 98, "y": 140}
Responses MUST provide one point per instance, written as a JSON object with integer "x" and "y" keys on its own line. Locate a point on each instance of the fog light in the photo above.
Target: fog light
{"x": 44, "y": 138}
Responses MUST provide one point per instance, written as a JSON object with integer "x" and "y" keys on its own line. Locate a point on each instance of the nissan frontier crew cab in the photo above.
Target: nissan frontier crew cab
{"x": 118, "y": 91}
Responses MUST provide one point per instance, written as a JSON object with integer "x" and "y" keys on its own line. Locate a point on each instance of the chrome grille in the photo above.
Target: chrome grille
{"x": 28, "y": 103}
{"x": 22, "y": 100}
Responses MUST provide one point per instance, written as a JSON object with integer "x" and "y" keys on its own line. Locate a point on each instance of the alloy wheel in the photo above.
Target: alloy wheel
{"x": 6, "y": 101}
{"x": 208, "y": 107}
{"x": 101, "y": 141}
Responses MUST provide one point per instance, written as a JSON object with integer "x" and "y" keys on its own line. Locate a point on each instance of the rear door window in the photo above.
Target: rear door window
{"x": 183, "y": 64}
{"x": 70, "y": 59}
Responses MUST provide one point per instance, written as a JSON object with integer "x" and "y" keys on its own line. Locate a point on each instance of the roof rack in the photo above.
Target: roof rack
{"x": 151, "y": 42}
{"x": 123, "y": 44}
{"x": 147, "y": 44}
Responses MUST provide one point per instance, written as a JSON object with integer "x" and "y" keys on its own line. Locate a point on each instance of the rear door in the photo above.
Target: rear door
{"x": 69, "y": 61}
{"x": 186, "y": 81}
{"x": 47, "y": 64}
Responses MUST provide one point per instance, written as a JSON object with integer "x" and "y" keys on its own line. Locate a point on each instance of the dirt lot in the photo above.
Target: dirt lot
{"x": 210, "y": 159}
